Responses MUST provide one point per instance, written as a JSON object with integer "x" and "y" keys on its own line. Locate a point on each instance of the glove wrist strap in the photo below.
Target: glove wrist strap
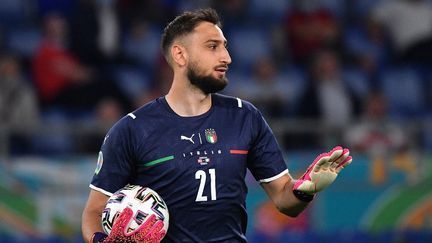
{"x": 302, "y": 196}
{"x": 98, "y": 237}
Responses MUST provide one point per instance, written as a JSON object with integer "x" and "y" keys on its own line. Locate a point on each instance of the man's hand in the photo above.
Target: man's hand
{"x": 323, "y": 171}
{"x": 151, "y": 231}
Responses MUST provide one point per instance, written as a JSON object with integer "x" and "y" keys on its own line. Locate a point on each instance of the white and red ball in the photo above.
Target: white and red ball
{"x": 142, "y": 200}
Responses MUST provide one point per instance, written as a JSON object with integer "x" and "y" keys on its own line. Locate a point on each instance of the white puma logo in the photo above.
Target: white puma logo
{"x": 182, "y": 137}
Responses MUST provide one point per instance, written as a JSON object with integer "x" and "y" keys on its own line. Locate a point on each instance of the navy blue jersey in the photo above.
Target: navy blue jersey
{"x": 197, "y": 164}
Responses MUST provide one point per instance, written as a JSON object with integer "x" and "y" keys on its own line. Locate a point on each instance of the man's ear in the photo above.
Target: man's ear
{"x": 178, "y": 54}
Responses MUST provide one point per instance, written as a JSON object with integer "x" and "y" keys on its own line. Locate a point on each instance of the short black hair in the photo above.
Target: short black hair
{"x": 185, "y": 24}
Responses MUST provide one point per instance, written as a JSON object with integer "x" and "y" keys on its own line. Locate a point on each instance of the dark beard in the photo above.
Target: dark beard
{"x": 207, "y": 84}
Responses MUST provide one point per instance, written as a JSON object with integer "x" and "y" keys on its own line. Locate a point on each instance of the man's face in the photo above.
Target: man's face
{"x": 208, "y": 58}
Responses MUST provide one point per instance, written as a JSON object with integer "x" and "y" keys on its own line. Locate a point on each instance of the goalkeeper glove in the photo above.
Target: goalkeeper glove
{"x": 151, "y": 231}
{"x": 321, "y": 173}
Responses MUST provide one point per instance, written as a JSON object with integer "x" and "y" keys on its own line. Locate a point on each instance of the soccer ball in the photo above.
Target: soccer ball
{"x": 142, "y": 200}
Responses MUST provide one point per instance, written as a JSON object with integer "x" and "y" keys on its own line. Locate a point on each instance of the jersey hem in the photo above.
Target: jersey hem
{"x": 274, "y": 177}
{"x": 100, "y": 190}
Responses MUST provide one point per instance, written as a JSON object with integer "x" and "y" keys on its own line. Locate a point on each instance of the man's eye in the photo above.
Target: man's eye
{"x": 213, "y": 47}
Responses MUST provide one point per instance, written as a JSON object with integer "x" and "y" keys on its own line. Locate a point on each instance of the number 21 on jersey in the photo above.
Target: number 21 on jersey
{"x": 202, "y": 176}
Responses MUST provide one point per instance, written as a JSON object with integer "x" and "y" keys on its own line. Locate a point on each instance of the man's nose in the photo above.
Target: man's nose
{"x": 226, "y": 58}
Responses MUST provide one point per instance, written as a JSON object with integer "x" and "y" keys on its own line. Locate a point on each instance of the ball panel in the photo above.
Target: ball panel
{"x": 142, "y": 200}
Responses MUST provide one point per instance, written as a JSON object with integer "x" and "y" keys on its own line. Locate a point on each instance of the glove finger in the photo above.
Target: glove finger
{"x": 344, "y": 164}
{"x": 321, "y": 160}
{"x": 160, "y": 235}
{"x": 157, "y": 237}
{"x": 145, "y": 227}
{"x": 335, "y": 153}
{"x": 154, "y": 231}
{"x": 150, "y": 234}
{"x": 124, "y": 218}
{"x": 340, "y": 159}
{"x": 157, "y": 226}
{"x": 120, "y": 225}
{"x": 315, "y": 161}
{"x": 325, "y": 161}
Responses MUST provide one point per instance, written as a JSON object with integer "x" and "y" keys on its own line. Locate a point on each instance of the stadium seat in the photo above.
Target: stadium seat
{"x": 357, "y": 81}
{"x": 268, "y": 11}
{"x": 238, "y": 81}
{"x": 133, "y": 81}
{"x": 337, "y": 7}
{"x": 363, "y": 7}
{"x": 144, "y": 50}
{"x": 12, "y": 12}
{"x": 295, "y": 79}
{"x": 248, "y": 44}
{"x": 24, "y": 41}
{"x": 404, "y": 89}
{"x": 360, "y": 45}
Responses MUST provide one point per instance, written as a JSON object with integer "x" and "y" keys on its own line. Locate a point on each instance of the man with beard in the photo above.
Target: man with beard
{"x": 193, "y": 146}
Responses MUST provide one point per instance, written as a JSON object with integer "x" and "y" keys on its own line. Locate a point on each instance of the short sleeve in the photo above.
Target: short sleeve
{"x": 265, "y": 159}
{"x": 115, "y": 162}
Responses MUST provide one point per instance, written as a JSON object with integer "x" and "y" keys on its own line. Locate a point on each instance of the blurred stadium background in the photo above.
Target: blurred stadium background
{"x": 328, "y": 72}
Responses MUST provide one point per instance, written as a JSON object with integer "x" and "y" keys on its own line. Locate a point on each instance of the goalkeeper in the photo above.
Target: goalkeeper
{"x": 193, "y": 146}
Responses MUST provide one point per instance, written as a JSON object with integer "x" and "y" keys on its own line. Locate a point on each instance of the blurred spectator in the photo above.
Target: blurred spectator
{"x": 62, "y": 80}
{"x": 108, "y": 35}
{"x": 55, "y": 68}
{"x": 328, "y": 99}
{"x": 310, "y": 28}
{"x": 19, "y": 109}
{"x": 92, "y": 21}
{"x": 373, "y": 132}
{"x": 409, "y": 23}
{"x": 84, "y": 31}
{"x": 266, "y": 89}
{"x": 387, "y": 143}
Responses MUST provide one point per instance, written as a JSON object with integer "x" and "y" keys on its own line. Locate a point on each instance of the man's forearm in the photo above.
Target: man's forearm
{"x": 280, "y": 192}
{"x": 289, "y": 204}
{"x": 92, "y": 214}
{"x": 91, "y": 223}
